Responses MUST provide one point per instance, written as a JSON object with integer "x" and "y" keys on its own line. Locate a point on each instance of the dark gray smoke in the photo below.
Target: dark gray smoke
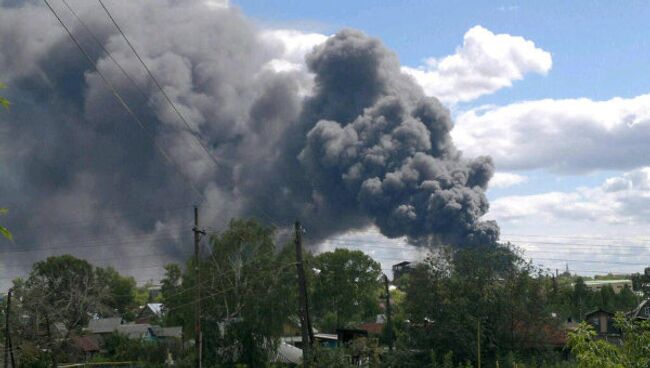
{"x": 366, "y": 147}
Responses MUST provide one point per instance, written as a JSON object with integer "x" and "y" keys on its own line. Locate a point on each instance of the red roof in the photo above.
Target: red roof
{"x": 86, "y": 343}
{"x": 372, "y": 328}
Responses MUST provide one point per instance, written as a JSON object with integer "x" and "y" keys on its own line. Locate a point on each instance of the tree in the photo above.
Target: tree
{"x": 3, "y": 230}
{"x": 247, "y": 295}
{"x": 581, "y": 298}
{"x": 597, "y": 353}
{"x": 57, "y": 299}
{"x": 346, "y": 289}
{"x": 453, "y": 291}
{"x": 3, "y": 101}
{"x": 119, "y": 292}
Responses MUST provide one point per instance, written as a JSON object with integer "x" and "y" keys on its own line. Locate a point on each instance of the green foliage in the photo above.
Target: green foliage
{"x": 248, "y": 294}
{"x": 120, "y": 290}
{"x": 154, "y": 353}
{"x": 450, "y": 293}
{"x": 3, "y": 101}
{"x": 3, "y": 230}
{"x": 347, "y": 288}
{"x": 634, "y": 352}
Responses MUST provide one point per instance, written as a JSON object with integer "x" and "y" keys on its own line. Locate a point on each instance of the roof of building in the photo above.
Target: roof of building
{"x": 606, "y": 282}
{"x": 156, "y": 308}
{"x": 175, "y": 331}
{"x": 372, "y": 327}
{"x": 288, "y": 354}
{"x": 87, "y": 343}
{"x": 104, "y": 325}
{"x": 599, "y": 310}
{"x": 134, "y": 330}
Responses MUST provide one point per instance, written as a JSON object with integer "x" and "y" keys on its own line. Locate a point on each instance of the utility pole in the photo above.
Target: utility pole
{"x": 198, "y": 337}
{"x": 389, "y": 318}
{"x": 305, "y": 323}
{"x": 478, "y": 343}
{"x": 7, "y": 338}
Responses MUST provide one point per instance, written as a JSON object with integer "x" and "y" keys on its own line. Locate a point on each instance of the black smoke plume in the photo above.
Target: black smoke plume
{"x": 364, "y": 147}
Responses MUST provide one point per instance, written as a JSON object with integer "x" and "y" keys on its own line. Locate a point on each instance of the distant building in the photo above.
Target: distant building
{"x": 402, "y": 269}
{"x": 616, "y": 285}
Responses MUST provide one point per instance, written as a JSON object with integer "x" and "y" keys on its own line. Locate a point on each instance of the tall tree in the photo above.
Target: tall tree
{"x": 453, "y": 291}
{"x": 346, "y": 288}
{"x": 119, "y": 291}
{"x": 3, "y": 230}
{"x": 247, "y": 295}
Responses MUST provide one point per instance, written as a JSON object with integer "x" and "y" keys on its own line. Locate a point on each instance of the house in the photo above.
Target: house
{"x": 401, "y": 269}
{"x": 87, "y": 345}
{"x": 288, "y": 354}
{"x": 164, "y": 333}
{"x": 104, "y": 326}
{"x": 603, "y": 322}
{"x": 149, "y": 313}
{"x": 372, "y": 328}
{"x": 136, "y": 331}
{"x": 616, "y": 285}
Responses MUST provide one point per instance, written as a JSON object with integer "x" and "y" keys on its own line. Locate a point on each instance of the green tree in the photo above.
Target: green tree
{"x": 3, "y": 101}
{"x": 346, "y": 289}
{"x": 57, "y": 299}
{"x": 246, "y": 297}
{"x": 626, "y": 300}
{"x": 3, "y": 230}
{"x": 119, "y": 292}
{"x": 597, "y": 353}
{"x": 581, "y": 299}
{"x": 453, "y": 291}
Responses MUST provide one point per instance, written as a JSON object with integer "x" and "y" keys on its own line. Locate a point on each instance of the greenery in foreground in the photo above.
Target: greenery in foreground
{"x": 442, "y": 310}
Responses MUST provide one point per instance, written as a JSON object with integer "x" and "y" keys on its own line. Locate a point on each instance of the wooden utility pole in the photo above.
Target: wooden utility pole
{"x": 389, "y": 318}
{"x": 198, "y": 337}
{"x": 7, "y": 338}
{"x": 305, "y": 323}
{"x": 478, "y": 343}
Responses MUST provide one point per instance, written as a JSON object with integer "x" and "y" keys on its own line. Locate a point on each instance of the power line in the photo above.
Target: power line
{"x": 119, "y": 98}
{"x": 162, "y": 91}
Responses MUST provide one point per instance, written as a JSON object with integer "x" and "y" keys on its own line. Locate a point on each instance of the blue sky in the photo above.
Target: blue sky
{"x": 580, "y": 116}
{"x": 600, "y": 49}
{"x": 556, "y": 92}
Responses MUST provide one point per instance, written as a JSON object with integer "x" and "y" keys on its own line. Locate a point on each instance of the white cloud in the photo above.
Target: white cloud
{"x": 622, "y": 200}
{"x": 571, "y": 135}
{"x": 217, "y": 4}
{"x": 294, "y": 44}
{"x": 485, "y": 63}
{"x": 502, "y": 180}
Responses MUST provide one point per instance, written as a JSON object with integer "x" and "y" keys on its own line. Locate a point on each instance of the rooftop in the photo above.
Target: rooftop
{"x": 605, "y": 282}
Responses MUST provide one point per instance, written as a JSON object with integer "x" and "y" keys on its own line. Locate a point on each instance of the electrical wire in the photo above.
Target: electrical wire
{"x": 119, "y": 98}
{"x": 158, "y": 85}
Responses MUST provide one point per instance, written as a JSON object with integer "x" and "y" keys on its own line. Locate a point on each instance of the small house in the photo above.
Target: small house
{"x": 104, "y": 326}
{"x": 136, "y": 331}
{"x": 603, "y": 322}
{"x": 149, "y": 313}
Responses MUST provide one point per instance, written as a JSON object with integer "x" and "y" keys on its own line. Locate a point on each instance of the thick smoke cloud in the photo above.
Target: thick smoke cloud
{"x": 365, "y": 147}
